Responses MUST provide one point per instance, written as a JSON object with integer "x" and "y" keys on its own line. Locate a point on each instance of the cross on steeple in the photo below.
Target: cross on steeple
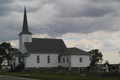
{"x": 25, "y": 29}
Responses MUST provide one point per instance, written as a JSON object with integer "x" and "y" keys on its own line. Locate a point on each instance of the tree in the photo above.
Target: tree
{"x": 5, "y": 50}
{"x": 95, "y": 57}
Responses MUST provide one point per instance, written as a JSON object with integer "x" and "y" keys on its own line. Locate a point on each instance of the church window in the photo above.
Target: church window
{"x": 58, "y": 59}
{"x": 80, "y": 59}
{"x": 48, "y": 59}
{"x": 14, "y": 64}
{"x": 38, "y": 60}
{"x": 63, "y": 60}
{"x": 19, "y": 59}
{"x": 67, "y": 60}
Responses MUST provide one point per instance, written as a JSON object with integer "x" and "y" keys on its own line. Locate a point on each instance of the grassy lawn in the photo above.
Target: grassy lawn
{"x": 53, "y": 76}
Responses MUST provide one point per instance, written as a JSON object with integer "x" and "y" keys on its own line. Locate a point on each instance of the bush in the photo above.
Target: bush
{"x": 88, "y": 68}
{"x": 0, "y": 67}
{"x": 12, "y": 70}
{"x": 20, "y": 67}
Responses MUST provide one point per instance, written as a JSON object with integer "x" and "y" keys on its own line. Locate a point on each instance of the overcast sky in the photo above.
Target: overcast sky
{"x": 86, "y": 24}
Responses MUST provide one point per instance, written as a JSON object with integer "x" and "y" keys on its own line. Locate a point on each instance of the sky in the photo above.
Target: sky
{"x": 85, "y": 24}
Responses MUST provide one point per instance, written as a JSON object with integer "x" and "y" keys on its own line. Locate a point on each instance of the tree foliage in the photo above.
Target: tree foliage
{"x": 5, "y": 49}
{"x": 95, "y": 57}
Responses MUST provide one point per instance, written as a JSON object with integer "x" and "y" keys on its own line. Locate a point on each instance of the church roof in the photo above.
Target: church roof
{"x": 25, "y": 24}
{"x": 39, "y": 45}
{"x": 19, "y": 54}
{"x": 74, "y": 51}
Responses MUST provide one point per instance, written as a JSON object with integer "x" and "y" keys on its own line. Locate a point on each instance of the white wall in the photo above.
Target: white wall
{"x": 31, "y": 61}
{"x": 65, "y": 64}
{"x": 75, "y": 62}
{"x": 22, "y": 39}
{"x": 16, "y": 61}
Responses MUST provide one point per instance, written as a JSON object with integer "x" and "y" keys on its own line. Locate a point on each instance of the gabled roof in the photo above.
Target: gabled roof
{"x": 19, "y": 54}
{"x": 40, "y": 45}
{"x": 74, "y": 51}
{"x": 25, "y": 24}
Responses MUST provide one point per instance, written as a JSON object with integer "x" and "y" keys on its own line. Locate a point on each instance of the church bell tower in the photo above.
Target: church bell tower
{"x": 25, "y": 35}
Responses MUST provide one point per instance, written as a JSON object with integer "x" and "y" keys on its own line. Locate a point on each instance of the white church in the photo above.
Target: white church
{"x": 42, "y": 53}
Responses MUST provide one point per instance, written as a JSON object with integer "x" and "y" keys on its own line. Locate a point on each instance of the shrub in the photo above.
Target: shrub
{"x": 88, "y": 68}
{"x": 12, "y": 70}
{"x": 20, "y": 67}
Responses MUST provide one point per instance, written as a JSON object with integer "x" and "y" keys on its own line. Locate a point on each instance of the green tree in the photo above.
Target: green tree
{"x": 5, "y": 49}
{"x": 95, "y": 57}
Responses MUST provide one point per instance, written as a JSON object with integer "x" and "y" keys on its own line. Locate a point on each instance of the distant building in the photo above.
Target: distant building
{"x": 41, "y": 53}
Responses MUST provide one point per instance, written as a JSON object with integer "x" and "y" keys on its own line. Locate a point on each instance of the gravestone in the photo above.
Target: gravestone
{"x": 97, "y": 69}
{"x": 106, "y": 70}
{"x": 61, "y": 71}
{"x": 101, "y": 68}
{"x": 66, "y": 72}
{"x": 68, "y": 75}
{"x": 57, "y": 72}
{"x": 82, "y": 72}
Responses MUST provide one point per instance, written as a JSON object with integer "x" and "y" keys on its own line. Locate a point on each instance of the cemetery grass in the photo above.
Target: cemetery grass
{"x": 53, "y": 76}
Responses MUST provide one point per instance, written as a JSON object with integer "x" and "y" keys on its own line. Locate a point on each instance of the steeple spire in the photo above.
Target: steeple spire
{"x": 25, "y": 24}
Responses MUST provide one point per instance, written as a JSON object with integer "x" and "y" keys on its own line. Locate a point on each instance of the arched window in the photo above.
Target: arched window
{"x": 58, "y": 59}
{"x": 38, "y": 60}
{"x": 14, "y": 64}
{"x": 80, "y": 59}
{"x": 19, "y": 60}
{"x": 48, "y": 59}
{"x": 67, "y": 60}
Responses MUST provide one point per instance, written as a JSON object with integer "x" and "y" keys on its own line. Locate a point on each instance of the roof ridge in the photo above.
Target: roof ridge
{"x": 48, "y": 38}
{"x": 71, "y": 47}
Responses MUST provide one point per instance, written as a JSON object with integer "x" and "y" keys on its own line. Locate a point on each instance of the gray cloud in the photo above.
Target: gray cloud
{"x": 103, "y": 1}
{"x": 6, "y": 1}
{"x": 86, "y": 17}
{"x": 90, "y": 9}
{"x": 97, "y": 21}
{"x": 6, "y": 7}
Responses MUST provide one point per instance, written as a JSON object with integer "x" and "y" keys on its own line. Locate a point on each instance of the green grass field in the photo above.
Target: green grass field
{"x": 53, "y": 76}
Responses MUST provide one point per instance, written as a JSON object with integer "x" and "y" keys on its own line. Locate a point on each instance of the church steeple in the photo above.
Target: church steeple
{"x": 25, "y": 29}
